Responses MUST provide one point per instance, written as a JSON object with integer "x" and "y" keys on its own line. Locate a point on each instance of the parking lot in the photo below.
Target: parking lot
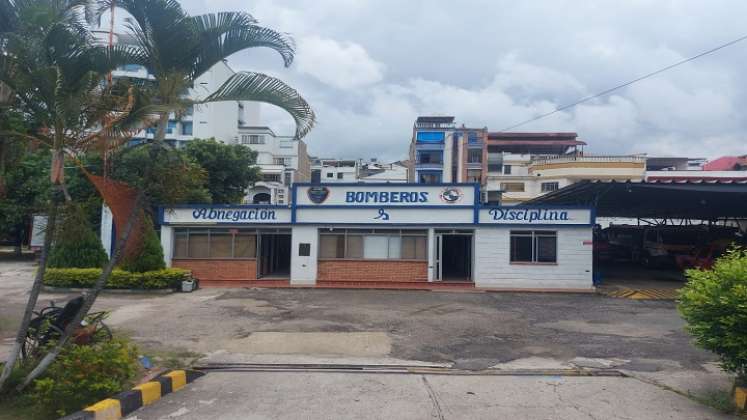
{"x": 470, "y": 331}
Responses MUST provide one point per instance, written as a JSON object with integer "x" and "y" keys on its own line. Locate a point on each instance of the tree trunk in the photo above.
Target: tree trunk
{"x": 163, "y": 122}
{"x": 89, "y": 299}
{"x": 33, "y": 294}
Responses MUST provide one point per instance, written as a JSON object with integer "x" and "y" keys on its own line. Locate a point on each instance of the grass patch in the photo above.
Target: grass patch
{"x": 19, "y": 408}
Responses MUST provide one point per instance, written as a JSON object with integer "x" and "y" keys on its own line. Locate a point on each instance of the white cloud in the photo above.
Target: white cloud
{"x": 343, "y": 65}
{"x": 369, "y": 68}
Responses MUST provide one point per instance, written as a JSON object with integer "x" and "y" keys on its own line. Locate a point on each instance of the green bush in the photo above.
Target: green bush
{"x": 76, "y": 244}
{"x": 714, "y": 304}
{"x": 150, "y": 255}
{"x": 86, "y": 277}
{"x": 83, "y": 375}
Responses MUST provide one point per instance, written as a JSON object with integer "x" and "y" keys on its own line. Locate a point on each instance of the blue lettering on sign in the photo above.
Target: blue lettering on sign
{"x": 234, "y": 215}
{"x": 528, "y": 215}
{"x": 383, "y": 215}
{"x": 386, "y": 197}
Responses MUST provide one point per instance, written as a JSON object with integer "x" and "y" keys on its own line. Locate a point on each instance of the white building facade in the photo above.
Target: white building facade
{"x": 377, "y": 235}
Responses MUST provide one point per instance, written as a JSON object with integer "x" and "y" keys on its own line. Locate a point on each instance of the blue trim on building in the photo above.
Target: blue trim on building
{"x": 226, "y": 206}
{"x": 544, "y": 206}
{"x": 476, "y": 217}
{"x": 421, "y": 226}
{"x": 236, "y": 224}
{"x": 386, "y": 184}
{"x": 294, "y": 192}
{"x": 533, "y": 225}
{"x": 384, "y": 206}
{"x": 294, "y": 207}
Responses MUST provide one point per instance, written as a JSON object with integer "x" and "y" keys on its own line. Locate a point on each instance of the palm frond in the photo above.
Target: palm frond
{"x": 220, "y": 41}
{"x": 250, "y": 86}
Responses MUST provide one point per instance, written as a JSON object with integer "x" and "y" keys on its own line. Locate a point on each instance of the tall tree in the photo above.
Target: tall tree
{"x": 230, "y": 168}
{"x": 177, "y": 48}
{"x": 54, "y": 73}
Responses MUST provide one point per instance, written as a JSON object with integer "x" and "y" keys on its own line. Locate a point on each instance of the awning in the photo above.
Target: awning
{"x": 655, "y": 200}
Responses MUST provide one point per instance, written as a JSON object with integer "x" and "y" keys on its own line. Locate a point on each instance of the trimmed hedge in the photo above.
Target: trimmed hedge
{"x": 168, "y": 278}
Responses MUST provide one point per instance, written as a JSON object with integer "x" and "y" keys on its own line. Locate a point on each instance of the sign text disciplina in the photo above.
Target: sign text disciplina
{"x": 529, "y": 215}
{"x": 233, "y": 215}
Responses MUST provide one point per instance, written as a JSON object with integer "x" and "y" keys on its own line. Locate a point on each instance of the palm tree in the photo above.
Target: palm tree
{"x": 177, "y": 49}
{"x": 53, "y": 73}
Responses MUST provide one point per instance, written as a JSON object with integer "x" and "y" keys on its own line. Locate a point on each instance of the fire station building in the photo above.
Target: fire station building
{"x": 382, "y": 235}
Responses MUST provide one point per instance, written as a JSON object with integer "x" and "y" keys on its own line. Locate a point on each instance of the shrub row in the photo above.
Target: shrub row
{"x": 85, "y": 277}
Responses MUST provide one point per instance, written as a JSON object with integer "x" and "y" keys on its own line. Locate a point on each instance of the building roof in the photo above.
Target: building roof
{"x": 532, "y": 135}
{"x": 726, "y": 163}
{"x": 536, "y": 142}
{"x": 683, "y": 199}
{"x": 435, "y": 119}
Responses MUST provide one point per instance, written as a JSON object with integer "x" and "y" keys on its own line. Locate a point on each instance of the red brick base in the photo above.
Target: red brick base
{"x": 372, "y": 270}
{"x": 225, "y": 270}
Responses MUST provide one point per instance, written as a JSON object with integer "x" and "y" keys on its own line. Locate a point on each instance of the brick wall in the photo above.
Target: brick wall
{"x": 372, "y": 270}
{"x": 217, "y": 269}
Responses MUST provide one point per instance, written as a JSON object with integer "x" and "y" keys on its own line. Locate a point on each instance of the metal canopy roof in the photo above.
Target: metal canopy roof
{"x": 655, "y": 200}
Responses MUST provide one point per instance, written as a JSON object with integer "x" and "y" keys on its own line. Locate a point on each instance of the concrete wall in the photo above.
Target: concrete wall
{"x": 572, "y": 271}
{"x": 167, "y": 243}
{"x": 303, "y": 269}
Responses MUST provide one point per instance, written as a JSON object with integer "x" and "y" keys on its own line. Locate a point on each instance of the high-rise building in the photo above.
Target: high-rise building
{"x": 510, "y": 167}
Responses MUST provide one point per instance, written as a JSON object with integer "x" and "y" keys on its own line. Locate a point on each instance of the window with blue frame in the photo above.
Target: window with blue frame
{"x": 429, "y": 177}
{"x": 430, "y": 136}
{"x": 151, "y": 130}
{"x": 187, "y": 128}
{"x": 472, "y": 137}
{"x": 171, "y": 127}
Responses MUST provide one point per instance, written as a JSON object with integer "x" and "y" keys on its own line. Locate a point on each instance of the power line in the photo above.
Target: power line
{"x": 646, "y": 76}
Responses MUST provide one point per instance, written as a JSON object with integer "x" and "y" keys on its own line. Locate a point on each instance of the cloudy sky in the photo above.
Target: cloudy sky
{"x": 370, "y": 67}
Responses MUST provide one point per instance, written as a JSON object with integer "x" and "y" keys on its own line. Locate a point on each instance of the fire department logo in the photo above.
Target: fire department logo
{"x": 318, "y": 195}
{"x": 451, "y": 195}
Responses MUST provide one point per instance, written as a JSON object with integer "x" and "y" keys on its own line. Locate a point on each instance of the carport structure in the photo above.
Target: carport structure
{"x": 708, "y": 200}
{"x": 675, "y": 202}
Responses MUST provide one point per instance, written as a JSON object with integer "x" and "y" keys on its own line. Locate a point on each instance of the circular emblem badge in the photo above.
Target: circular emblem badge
{"x": 318, "y": 195}
{"x": 451, "y": 195}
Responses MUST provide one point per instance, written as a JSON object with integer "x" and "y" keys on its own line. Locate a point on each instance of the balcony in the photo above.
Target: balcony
{"x": 605, "y": 167}
{"x": 429, "y": 146}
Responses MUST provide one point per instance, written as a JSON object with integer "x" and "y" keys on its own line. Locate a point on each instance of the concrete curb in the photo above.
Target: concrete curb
{"x": 51, "y": 289}
{"x": 126, "y": 402}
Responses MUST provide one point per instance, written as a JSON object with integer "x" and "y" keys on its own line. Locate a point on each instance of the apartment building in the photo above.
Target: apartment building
{"x": 510, "y": 167}
{"x": 282, "y": 161}
{"x": 373, "y": 171}
{"x": 330, "y": 170}
{"x": 220, "y": 120}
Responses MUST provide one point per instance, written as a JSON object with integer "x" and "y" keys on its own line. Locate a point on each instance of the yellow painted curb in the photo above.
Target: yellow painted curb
{"x": 740, "y": 397}
{"x": 178, "y": 379}
{"x": 151, "y": 392}
{"x": 108, "y": 409}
